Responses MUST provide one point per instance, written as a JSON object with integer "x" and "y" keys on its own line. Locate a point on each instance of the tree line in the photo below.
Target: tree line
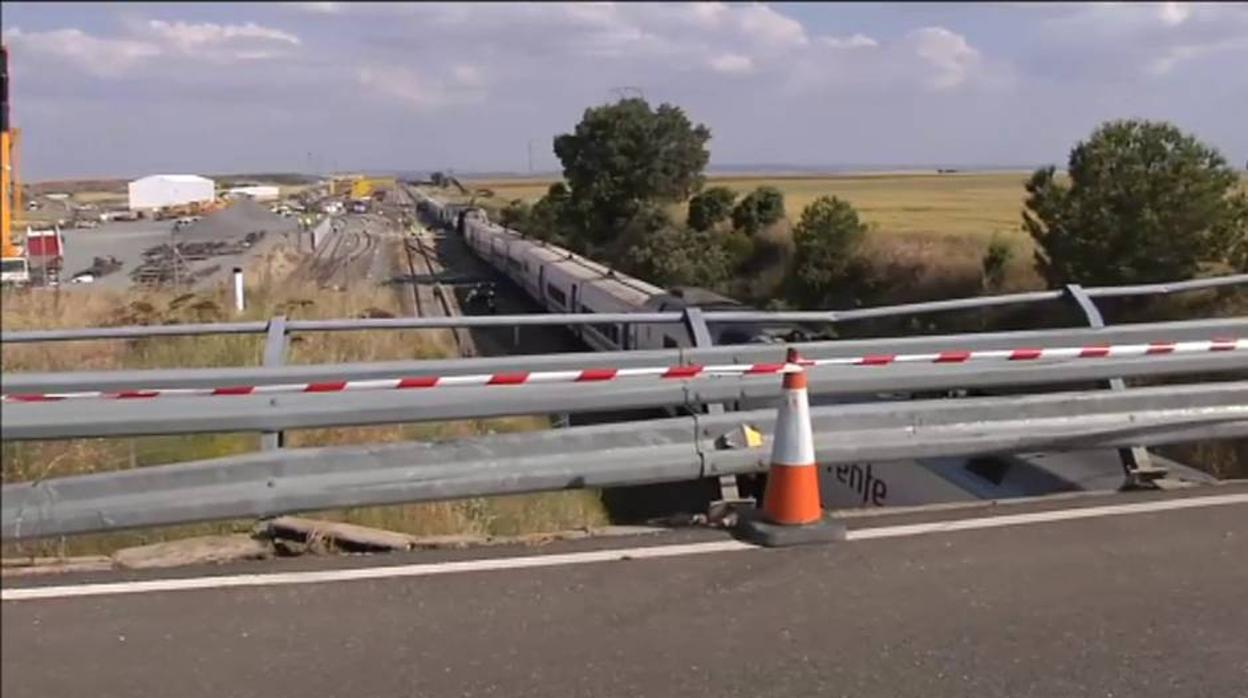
{"x": 1140, "y": 201}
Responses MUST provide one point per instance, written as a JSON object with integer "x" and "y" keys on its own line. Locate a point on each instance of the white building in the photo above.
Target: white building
{"x": 259, "y": 193}
{"x": 157, "y": 191}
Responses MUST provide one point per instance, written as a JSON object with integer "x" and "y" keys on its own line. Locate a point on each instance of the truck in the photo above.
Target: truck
{"x": 14, "y": 271}
{"x": 45, "y": 255}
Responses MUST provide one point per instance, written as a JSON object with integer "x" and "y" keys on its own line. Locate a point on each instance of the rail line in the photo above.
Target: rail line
{"x": 341, "y": 255}
{"x": 439, "y": 304}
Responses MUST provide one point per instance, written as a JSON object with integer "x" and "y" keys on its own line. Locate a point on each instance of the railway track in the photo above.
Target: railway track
{"x": 337, "y": 263}
{"x": 433, "y": 299}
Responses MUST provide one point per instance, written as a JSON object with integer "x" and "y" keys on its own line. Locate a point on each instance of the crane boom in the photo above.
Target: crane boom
{"x": 6, "y": 165}
{"x": 13, "y": 265}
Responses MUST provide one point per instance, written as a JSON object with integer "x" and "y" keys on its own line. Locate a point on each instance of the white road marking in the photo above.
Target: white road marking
{"x": 1045, "y": 516}
{"x": 535, "y": 561}
{"x": 417, "y": 570}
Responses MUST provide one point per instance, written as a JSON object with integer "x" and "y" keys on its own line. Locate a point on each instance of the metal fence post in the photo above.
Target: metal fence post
{"x": 1137, "y": 464}
{"x": 274, "y": 355}
{"x": 695, "y": 322}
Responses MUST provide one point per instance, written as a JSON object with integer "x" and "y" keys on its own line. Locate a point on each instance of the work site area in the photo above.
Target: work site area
{"x": 342, "y": 396}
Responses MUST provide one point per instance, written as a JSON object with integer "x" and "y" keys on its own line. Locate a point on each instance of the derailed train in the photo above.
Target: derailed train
{"x": 564, "y": 282}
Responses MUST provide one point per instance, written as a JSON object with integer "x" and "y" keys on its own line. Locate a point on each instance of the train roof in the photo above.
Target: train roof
{"x": 694, "y": 296}
{"x": 584, "y": 269}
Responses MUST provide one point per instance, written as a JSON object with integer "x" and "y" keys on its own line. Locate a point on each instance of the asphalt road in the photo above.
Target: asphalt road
{"x": 1146, "y": 604}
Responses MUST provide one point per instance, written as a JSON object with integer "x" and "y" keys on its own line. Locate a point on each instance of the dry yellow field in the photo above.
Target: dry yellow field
{"x": 974, "y": 204}
{"x": 939, "y": 223}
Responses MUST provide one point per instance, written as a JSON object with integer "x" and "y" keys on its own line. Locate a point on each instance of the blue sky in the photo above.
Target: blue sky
{"x": 127, "y": 89}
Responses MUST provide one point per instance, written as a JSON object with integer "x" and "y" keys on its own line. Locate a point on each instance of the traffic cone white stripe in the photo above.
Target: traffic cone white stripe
{"x": 794, "y": 442}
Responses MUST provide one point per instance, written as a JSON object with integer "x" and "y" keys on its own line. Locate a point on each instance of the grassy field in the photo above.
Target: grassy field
{"x": 932, "y": 229}
{"x": 975, "y": 204}
{"x": 270, "y": 294}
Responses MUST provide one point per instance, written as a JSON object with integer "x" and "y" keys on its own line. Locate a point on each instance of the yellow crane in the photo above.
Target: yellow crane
{"x": 13, "y": 265}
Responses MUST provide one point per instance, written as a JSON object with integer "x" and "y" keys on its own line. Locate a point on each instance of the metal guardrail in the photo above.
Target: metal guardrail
{"x": 97, "y": 418}
{"x": 278, "y": 480}
{"x": 832, "y": 316}
{"x": 270, "y": 483}
{"x": 1161, "y": 289}
{"x": 36, "y": 382}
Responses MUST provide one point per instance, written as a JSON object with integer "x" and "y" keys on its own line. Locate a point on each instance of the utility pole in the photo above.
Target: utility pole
{"x": 530, "y": 156}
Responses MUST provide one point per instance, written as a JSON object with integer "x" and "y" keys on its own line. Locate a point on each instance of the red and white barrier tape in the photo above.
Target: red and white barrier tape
{"x": 595, "y": 375}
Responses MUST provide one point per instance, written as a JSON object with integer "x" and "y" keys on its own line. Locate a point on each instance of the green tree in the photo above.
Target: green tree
{"x": 515, "y": 215}
{"x": 626, "y": 155}
{"x": 548, "y": 217}
{"x": 709, "y": 207}
{"x": 663, "y": 253}
{"x": 1145, "y": 203}
{"x": 759, "y": 209}
{"x": 827, "y": 240}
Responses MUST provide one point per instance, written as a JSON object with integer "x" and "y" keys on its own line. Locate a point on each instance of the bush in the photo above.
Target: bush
{"x": 667, "y": 255}
{"x": 515, "y": 215}
{"x": 996, "y": 259}
{"x": 1145, "y": 203}
{"x": 548, "y": 217}
{"x": 759, "y": 209}
{"x": 710, "y": 207}
{"x": 827, "y": 240}
{"x": 739, "y": 247}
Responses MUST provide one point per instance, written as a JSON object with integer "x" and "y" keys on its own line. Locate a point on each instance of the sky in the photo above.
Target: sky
{"x": 128, "y": 89}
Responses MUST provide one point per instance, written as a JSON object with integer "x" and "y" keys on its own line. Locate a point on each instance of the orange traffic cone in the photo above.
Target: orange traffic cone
{"x": 791, "y": 512}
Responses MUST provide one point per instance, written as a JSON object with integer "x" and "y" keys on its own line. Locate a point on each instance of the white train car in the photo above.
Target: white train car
{"x": 565, "y": 282}
{"x": 562, "y": 281}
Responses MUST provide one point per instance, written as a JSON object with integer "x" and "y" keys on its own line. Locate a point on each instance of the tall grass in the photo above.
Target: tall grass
{"x": 269, "y": 294}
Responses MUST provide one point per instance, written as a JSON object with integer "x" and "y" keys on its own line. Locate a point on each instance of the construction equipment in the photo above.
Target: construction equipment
{"x": 361, "y": 188}
{"x": 365, "y": 187}
{"x": 14, "y": 268}
{"x": 191, "y": 209}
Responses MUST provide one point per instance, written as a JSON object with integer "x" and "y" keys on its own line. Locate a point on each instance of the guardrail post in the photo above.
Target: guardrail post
{"x": 274, "y": 355}
{"x": 1137, "y": 464}
{"x": 695, "y": 322}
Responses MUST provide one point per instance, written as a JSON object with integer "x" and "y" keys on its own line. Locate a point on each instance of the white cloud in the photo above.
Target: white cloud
{"x": 732, "y": 64}
{"x": 762, "y": 23}
{"x": 115, "y": 56}
{"x": 418, "y": 91}
{"x": 709, "y": 15}
{"x": 1174, "y": 13}
{"x": 947, "y": 52}
{"x": 1125, "y": 40}
{"x": 189, "y": 37}
{"x": 103, "y": 57}
{"x": 468, "y": 75}
{"x": 855, "y": 41}
{"x": 324, "y": 8}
